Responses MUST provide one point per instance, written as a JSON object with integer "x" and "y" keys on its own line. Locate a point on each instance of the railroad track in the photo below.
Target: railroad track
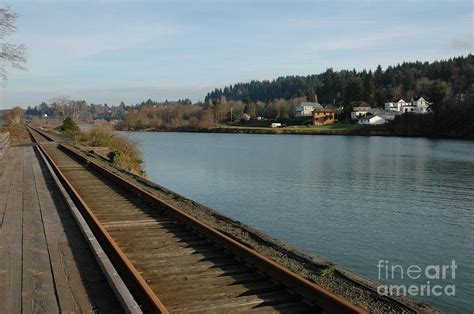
{"x": 169, "y": 260}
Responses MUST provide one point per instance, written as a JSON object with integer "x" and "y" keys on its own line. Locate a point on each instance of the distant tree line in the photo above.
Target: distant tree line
{"x": 164, "y": 116}
{"x": 440, "y": 82}
{"x": 434, "y": 81}
{"x": 80, "y": 110}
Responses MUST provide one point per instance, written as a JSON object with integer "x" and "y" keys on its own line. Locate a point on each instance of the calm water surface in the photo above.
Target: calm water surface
{"x": 351, "y": 200}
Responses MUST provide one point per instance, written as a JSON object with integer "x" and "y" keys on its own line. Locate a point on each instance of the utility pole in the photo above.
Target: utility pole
{"x": 231, "y": 109}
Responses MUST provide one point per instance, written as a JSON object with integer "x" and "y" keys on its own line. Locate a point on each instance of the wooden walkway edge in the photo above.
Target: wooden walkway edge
{"x": 45, "y": 262}
{"x": 120, "y": 289}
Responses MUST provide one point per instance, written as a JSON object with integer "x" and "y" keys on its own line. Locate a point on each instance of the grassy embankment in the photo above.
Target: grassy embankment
{"x": 122, "y": 151}
{"x": 337, "y": 128}
{"x": 18, "y": 134}
{"x": 333, "y": 129}
{"x": 119, "y": 150}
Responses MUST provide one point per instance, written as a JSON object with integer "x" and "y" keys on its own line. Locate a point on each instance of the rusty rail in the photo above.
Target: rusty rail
{"x": 311, "y": 292}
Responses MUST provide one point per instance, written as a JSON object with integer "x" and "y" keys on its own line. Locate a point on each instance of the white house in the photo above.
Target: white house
{"x": 305, "y": 109}
{"x": 387, "y": 115}
{"x": 359, "y": 112}
{"x": 418, "y": 106}
{"x": 408, "y": 108}
{"x": 421, "y": 105}
{"x": 396, "y": 106}
{"x": 372, "y": 120}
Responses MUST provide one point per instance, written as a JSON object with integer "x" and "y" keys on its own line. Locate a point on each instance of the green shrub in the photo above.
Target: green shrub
{"x": 69, "y": 126}
{"x": 123, "y": 151}
{"x": 328, "y": 271}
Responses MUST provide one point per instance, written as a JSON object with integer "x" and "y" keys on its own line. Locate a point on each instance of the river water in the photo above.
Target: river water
{"x": 356, "y": 201}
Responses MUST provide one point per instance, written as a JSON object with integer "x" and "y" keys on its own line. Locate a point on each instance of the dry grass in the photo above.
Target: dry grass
{"x": 123, "y": 151}
{"x": 18, "y": 134}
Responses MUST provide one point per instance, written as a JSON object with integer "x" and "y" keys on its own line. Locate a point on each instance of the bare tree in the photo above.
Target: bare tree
{"x": 13, "y": 116}
{"x": 65, "y": 106}
{"x": 11, "y": 55}
{"x": 60, "y": 104}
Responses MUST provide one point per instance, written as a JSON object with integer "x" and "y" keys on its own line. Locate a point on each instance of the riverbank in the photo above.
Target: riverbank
{"x": 334, "y": 129}
{"x": 105, "y": 142}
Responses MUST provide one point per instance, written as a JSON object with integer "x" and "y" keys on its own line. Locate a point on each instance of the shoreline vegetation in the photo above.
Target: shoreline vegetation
{"x": 334, "y": 129}
{"x": 119, "y": 150}
{"x": 106, "y": 143}
{"x": 253, "y": 106}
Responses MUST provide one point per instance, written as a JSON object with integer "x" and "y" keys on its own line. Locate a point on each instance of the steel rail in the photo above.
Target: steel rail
{"x": 152, "y": 299}
{"x": 43, "y": 134}
{"x": 310, "y": 291}
{"x": 121, "y": 291}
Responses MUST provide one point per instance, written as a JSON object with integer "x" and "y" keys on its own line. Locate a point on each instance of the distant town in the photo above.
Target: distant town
{"x": 322, "y": 115}
{"x": 337, "y": 102}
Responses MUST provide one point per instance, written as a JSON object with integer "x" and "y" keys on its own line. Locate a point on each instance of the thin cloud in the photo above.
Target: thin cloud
{"x": 466, "y": 43}
{"x": 114, "y": 38}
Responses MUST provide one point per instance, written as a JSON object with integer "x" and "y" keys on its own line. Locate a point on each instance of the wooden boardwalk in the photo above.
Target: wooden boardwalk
{"x": 45, "y": 263}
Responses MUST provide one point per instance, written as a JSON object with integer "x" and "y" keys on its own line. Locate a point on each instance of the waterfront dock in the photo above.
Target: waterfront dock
{"x": 45, "y": 263}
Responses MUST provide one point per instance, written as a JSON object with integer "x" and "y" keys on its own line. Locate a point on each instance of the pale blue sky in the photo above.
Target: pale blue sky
{"x": 107, "y": 51}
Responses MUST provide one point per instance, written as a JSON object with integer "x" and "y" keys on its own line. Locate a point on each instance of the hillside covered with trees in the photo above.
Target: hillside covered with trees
{"x": 434, "y": 81}
{"x": 443, "y": 83}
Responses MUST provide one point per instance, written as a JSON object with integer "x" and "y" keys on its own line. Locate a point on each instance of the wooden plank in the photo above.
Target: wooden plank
{"x": 115, "y": 281}
{"x": 168, "y": 245}
{"x": 11, "y": 242}
{"x": 38, "y": 291}
{"x": 7, "y": 159}
{"x": 6, "y": 180}
{"x": 136, "y": 223}
{"x": 185, "y": 263}
{"x": 195, "y": 258}
{"x": 81, "y": 286}
{"x": 71, "y": 299}
{"x": 4, "y": 144}
{"x": 243, "y": 302}
{"x": 209, "y": 282}
{"x": 185, "y": 275}
{"x": 224, "y": 292}
{"x": 291, "y": 307}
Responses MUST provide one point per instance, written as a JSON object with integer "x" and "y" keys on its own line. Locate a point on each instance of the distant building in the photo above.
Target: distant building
{"x": 422, "y": 106}
{"x": 418, "y": 106}
{"x": 322, "y": 116}
{"x": 372, "y": 120}
{"x": 387, "y": 115}
{"x": 359, "y": 112}
{"x": 305, "y": 109}
{"x": 396, "y": 106}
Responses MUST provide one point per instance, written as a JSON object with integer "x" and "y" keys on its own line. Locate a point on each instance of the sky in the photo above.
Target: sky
{"x": 112, "y": 51}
